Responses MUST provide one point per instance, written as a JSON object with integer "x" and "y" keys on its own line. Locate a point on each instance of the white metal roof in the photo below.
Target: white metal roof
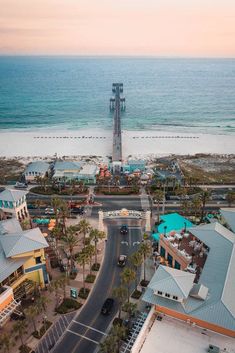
{"x": 23, "y": 242}
{"x": 172, "y": 281}
{"x": 10, "y": 226}
{"x": 12, "y": 195}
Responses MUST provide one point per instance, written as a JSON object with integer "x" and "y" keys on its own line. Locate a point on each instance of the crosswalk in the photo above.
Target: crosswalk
{"x": 144, "y": 199}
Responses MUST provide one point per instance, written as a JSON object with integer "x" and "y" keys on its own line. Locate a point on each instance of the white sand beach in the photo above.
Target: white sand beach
{"x": 99, "y": 143}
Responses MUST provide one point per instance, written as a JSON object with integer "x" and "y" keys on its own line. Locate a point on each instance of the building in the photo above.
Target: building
{"x": 204, "y": 298}
{"x": 67, "y": 170}
{"x": 228, "y": 215}
{"x": 134, "y": 165}
{"x": 13, "y": 204}
{"x": 22, "y": 264}
{"x": 36, "y": 169}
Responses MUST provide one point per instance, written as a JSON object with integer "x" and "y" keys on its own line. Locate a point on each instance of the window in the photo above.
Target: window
{"x": 175, "y": 297}
{"x": 38, "y": 260}
{"x": 167, "y": 295}
{"x": 159, "y": 292}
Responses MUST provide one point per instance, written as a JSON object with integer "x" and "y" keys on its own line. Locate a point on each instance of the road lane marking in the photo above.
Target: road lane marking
{"x": 89, "y": 327}
{"x": 86, "y": 338}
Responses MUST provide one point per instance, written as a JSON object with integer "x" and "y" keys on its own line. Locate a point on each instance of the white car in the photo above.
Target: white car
{"x": 49, "y": 210}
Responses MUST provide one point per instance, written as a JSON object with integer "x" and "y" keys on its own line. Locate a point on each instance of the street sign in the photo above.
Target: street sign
{"x": 73, "y": 293}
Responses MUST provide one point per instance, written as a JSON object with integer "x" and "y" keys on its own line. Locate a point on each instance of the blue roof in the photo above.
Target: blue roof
{"x": 172, "y": 221}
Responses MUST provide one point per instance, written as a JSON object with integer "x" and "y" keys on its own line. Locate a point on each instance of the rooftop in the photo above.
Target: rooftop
{"x": 67, "y": 165}
{"x": 229, "y": 216}
{"x": 12, "y": 195}
{"x": 171, "y": 335}
{"x": 217, "y": 275}
{"x": 38, "y": 166}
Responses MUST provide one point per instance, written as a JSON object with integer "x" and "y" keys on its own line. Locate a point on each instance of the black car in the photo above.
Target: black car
{"x": 124, "y": 230}
{"x": 107, "y": 306}
{"x": 77, "y": 210}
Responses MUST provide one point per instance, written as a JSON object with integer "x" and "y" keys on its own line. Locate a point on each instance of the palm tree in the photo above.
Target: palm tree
{"x": 83, "y": 259}
{"x": 205, "y": 196}
{"x": 120, "y": 293}
{"x": 108, "y": 345}
{"x": 20, "y": 328}
{"x": 96, "y": 235}
{"x": 136, "y": 260}
{"x": 158, "y": 196}
{"x": 6, "y": 342}
{"x": 196, "y": 205}
{"x": 130, "y": 308}
{"x": 64, "y": 213}
{"x": 145, "y": 251}
{"x": 119, "y": 332}
{"x": 127, "y": 277}
{"x": 31, "y": 313}
{"x": 41, "y": 303}
{"x": 230, "y": 198}
{"x": 56, "y": 234}
{"x": 70, "y": 241}
{"x": 83, "y": 228}
{"x": 64, "y": 281}
{"x": 56, "y": 203}
{"x": 54, "y": 287}
{"x": 90, "y": 250}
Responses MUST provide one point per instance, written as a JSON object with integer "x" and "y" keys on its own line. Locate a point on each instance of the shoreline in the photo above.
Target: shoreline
{"x": 98, "y": 142}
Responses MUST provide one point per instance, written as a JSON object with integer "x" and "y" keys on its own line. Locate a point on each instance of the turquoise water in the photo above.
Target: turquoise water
{"x": 183, "y": 95}
{"x": 172, "y": 221}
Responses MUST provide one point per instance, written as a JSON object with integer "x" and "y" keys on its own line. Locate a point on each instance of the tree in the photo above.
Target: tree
{"x": 196, "y": 205}
{"x": 56, "y": 234}
{"x": 119, "y": 332}
{"x": 131, "y": 309}
{"x": 63, "y": 213}
{"x": 96, "y": 235}
{"x": 83, "y": 259}
{"x": 56, "y": 203}
{"x": 31, "y": 313}
{"x": 136, "y": 260}
{"x": 230, "y": 198}
{"x": 64, "y": 281}
{"x": 55, "y": 285}
{"x": 205, "y": 196}
{"x": 83, "y": 228}
{"x": 158, "y": 197}
{"x": 41, "y": 303}
{"x": 127, "y": 277}
{"x": 108, "y": 345}
{"x": 20, "y": 328}
{"x": 6, "y": 342}
{"x": 90, "y": 250}
{"x": 70, "y": 241}
{"x": 145, "y": 251}
{"x": 120, "y": 293}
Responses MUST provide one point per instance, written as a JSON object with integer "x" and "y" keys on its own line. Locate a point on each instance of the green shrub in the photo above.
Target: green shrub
{"x": 136, "y": 294}
{"x": 68, "y": 305}
{"x": 83, "y": 293}
{"x": 95, "y": 267}
{"x": 90, "y": 278}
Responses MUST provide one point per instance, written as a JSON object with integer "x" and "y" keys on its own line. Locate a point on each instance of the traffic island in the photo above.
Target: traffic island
{"x": 68, "y": 305}
{"x": 90, "y": 278}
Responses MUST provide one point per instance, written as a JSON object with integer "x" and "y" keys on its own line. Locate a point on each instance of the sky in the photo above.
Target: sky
{"x": 188, "y": 28}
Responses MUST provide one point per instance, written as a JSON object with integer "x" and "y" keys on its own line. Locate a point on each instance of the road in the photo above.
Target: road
{"x": 89, "y": 326}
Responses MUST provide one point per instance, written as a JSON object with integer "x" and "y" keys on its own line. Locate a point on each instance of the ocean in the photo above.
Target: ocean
{"x": 72, "y": 93}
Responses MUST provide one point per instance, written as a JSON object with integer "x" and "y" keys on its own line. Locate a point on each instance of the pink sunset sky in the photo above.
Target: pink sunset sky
{"x": 196, "y": 28}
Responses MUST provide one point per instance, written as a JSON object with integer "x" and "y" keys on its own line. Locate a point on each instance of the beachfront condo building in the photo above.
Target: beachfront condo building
{"x": 22, "y": 265}
{"x": 13, "y": 204}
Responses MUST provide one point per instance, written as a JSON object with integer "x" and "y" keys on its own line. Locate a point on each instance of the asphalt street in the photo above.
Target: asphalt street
{"x": 89, "y": 327}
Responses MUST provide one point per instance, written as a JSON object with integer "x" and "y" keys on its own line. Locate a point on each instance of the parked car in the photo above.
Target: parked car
{"x": 122, "y": 260}
{"x": 124, "y": 230}
{"x": 49, "y": 210}
{"x": 19, "y": 185}
{"x": 78, "y": 210}
{"x": 107, "y": 306}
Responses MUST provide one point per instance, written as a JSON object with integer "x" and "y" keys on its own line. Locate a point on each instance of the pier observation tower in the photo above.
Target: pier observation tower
{"x": 117, "y": 104}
